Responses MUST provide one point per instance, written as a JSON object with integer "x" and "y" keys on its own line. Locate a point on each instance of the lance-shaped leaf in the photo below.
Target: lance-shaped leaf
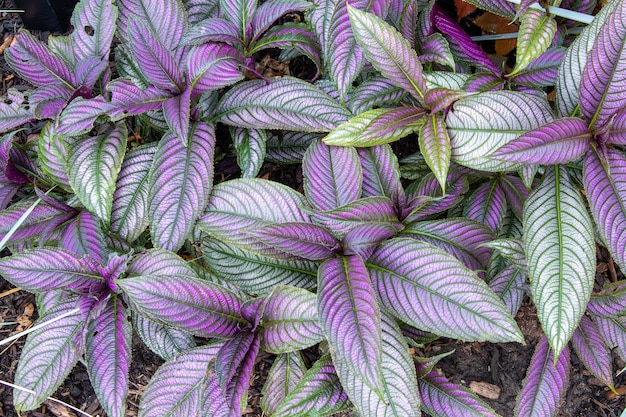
{"x": 436, "y": 49}
{"x": 165, "y": 341}
{"x": 391, "y": 54}
{"x": 317, "y": 394}
{"x": 381, "y": 174}
{"x": 613, "y": 331}
{"x": 429, "y": 289}
{"x": 35, "y": 63}
{"x": 94, "y": 26}
{"x": 48, "y": 355}
{"x": 482, "y": 123}
{"x": 603, "y": 80}
{"x": 286, "y": 371}
{"x": 332, "y": 175}
{"x": 129, "y": 100}
{"x": 592, "y": 351}
{"x": 541, "y": 72}
{"x": 13, "y": 115}
{"x": 180, "y": 181}
{"x": 129, "y": 213}
{"x": 237, "y": 390}
{"x": 364, "y": 238}
{"x": 213, "y": 66}
{"x": 435, "y": 146}
{"x": 255, "y": 273}
{"x": 350, "y": 317}
{"x": 52, "y": 153}
{"x": 282, "y": 103}
{"x": 425, "y": 199}
{"x": 92, "y": 167}
{"x": 374, "y": 92}
{"x": 290, "y": 320}
{"x": 304, "y": 240}
{"x": 197, "y": 306}
{"x": 399, "y": 381}
{"x": 108, "y": 356}
{"x": 377, "y": 127}
{"x": 510, "y": 285}
{"x": 609, "y": 302}
{"x": 176, "y": 112}
{"x": 545, "y": 383}
{"x": 41, "y": 220}
{"x": 231, "y": 356}
{"x": 240, "y": 13}
{"x": 177, "y": 388}
{"x": 536, "y": 32}
{"x": 250, "y": 145}
{"x": 47, "y": 269}
{"x": 511, "y": 249}
{"x": 245, "y": 204}
{"x": 83, "y": 236}
{"x": 442, "y": 398}
{"x": 605, "y": 183}
{"x": 560, "y": 252}
{"x": 487, "y": 205}
{"x": 460, "y": 237}
{"x": 558, "y": 142}
{"x": 617, "y": 134}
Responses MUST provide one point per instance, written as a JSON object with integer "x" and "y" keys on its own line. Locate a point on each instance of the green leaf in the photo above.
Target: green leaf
{"x": 535, "y": 36}
{"x": 435, "y": 146}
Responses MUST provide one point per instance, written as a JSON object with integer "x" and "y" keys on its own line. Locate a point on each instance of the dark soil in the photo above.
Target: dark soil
{"x": 501, "y": 365}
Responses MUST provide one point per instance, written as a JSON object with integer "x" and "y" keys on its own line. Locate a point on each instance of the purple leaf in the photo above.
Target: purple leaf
{"x": 487, "y": 205}
{"x": 541, "y": 72}
{"x": 286, "y": 371}
{"x": 426, "y": 199}
{"x": 177, "y": 388}
{"x": 129, "y": 100}
{"x": 558, "y": 142}
{"x": 269, "y": 12}
{"x": 41, "y": 220}
{"x": 176, "y": 112}
{"x": 516, "y": 193}
{"x": 47, "y": 269}
{"x": 350, "y": 317}
{"x": 592, "y": 351}
{"x": 231, "y": 356}
{"x": 332, "y": 175}
{"x": 617, "y": 132}
{"x": 80, "y": 115}
{"x": 510, "y": 285}
{"x": 49, "y": 355}
{"x": 364, "y": 238}
{"x": 162, "y": 263}
{"x": 440, "y": 99}
{"x": 374, "y": 92}
{"x": 180, "y": 181}
{"x": 88, "y": 72}
{"x": 319, "y": 390}
{"x": 83, "y": 236}
{"x": 129, "y": 212}
{"x": 213, "y": 29}
{"x": 460, "y": 237}
{"x": 613, "y": 331}
{"x": 108, "y": 356}
{"x": 435, "y": 48}
{"x": 404, "y": 271}
{"x": 511, "y": 249}
{"x": 13, "y": 113}
{"x": 603, "y": 81}
{"x": 48, "y": 101}
{"x": 165, "y": 341}
{"x": 94, "y": 27}
{"x": 196, "y": 306}
{"x": 442, "y": 398}
{"x": 605, "y": 183}
{"x": 303, "y": 240}
{"x": 290, "y": 320}
{"x": 288, "y": 148}
{"x": 381, "y": 174}
{"x": 35, "y": 63}
{"x": 153, "y": 58}
{"x": 250, "y": 145}
{"x": 281, "y": 103}
{"x": 213, "y": 66}
{"x": 52, "y": 153}
{"x": 92, "y": 167}
{"x": 608, "y": 302}
{"x": 545, "y": 383}
{"x": 483, "y": 81}
{"x": 435, "y": 146}
{"x": 237, "y": 391}
{"x": 240, "y": 13}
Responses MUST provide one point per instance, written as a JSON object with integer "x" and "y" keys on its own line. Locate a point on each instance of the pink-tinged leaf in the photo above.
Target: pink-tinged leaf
{"x": 608, "y": 302}
{"x": 281, "y": 103}
{"x": 83, "y": 236}
{"x": 436, "y": 49}
{"x": 80, "y": 115}
{"x": 290, "y": 321}
{"x": 511, "y": 249}
{"x": 332, "y": 175}
{"x": 487, "y": 205}
{"x": 592, "y": 351}
{"x": 269, "y": 12}
{"x": 47, "y": 269}
{"x": 94, "y": 27}
{"x": 605, "y": 183}
{"x": 177, "y": 388}
{"x": 603, "y": 79}
{"x": 213, "y": 66}
{"x": 425, "y": 199}
{"x": 165, "y": 341}
{"x": 510, "y": 285}
{"x": 558, "y": 142}
{"x": 374, "y": 92}
{"x": 35, "y": 63}
{"x": 48, "y": 101}
{"x": 318, "y": 393}
{"x": 440, "y": 99}
{"x": 49, "y": 355}
{"x": 231, "y": 356}
{"x": 88, "y": 72}
{"x": 129, "y": 100}
{"x": 289, "y": 147}
{"x": 245, "y": 204}
{"x": 108, "y": 356}
{"x": 541, "y": 72}
{"x": 213, "y": 30}
{"x": 483, "y": 81}
{"x": 92, "y": 167}
{"x": 176, "y": 112}
{"x": 13, "y": 114}
{"x": 129, "y": 212}
{"x": 613, "y": 331}
{"x": 429, "y": 289}
{"x": 237, "y": 390}
{"x": 240, "y": 13}
{"x": 162, "y": 263}
{"x": 52, "y": 153}
{"x": 364, "y": 238}
{"x": 460, "y": 237}
{"x": 180, "y": 182}
{"x": 516, "y": 193}
{"x": 442, "y": 398}
{"x": 381, "y": 174}
{"x": 303, "y": 240}
{"x": 350, "y": 317}
{"x": 376, "y": 127}
{"x": 435, "y": 146}
{"x": 40, "y": 221}
{"x": 536, "y": 33}
{"x": 250, "y": 145}
{"x": 153, "y": 59}
{"x": 388, "y": 52}
{"x": 545, "y": 383}
{"x": 196, "y": 306}
{"x": 617, "y": 132}
{"x": 286, "y": 371}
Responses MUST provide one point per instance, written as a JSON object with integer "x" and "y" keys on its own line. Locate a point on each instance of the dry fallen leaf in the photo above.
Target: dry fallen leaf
{"x": 24, "y": 320}
{"x": 485, "y": 389}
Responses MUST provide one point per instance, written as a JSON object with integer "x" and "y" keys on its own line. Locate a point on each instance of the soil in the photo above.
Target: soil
{"x": 500, "y": 368}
